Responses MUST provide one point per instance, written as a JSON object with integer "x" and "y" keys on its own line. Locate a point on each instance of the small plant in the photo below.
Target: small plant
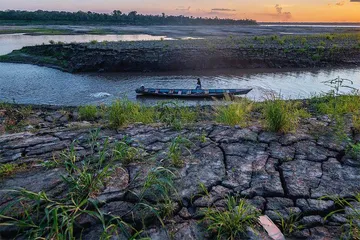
{"x": 175, "y": 116}
{"x": 175, "y": 150}
{"x": 290, "y": 224}
{"x": 88, "y": 112}
{"x": 234, "y": 113}
{"x": 124, "y": 112}
{"x": 354, "y": 150}
{"x": 52, "y": 42}
{"x": 93, "y": 42}
{"x": 351, "y": 230}
{"x": 232, "y": 223}
{"x": 7, "y": 169}
{"x": 124, "y": 152}
{"x": 282, "y": 116}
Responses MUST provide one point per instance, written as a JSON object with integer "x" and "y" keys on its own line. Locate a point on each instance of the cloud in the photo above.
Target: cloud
{"x": 182, "y": 8}
{"x": 223, "y": 10}
{"x": 281, "y": 14}
{"x": 341, "y": 3}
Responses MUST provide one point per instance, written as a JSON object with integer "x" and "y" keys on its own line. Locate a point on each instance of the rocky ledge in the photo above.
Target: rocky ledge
{"x": 280, "y": 174}
{"x": 213, "y": 53}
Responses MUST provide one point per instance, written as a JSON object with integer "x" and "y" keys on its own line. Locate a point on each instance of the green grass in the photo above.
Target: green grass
{"x": 351, "y": 230}
{"x": 88, "y": 113}
{"x": 124, "y": 153}
{"x": 37, "y": 31}
{"x": 175, "y": 150}
{"x": 8, "y": 169}
{"x": 232, "y": 222}
{"x": 282, "y": 116}
{"x": 289, "y": 224}
{"x": 175, "y": 116}
{"x": 234, "y": 113}
{"x": 123, "y": 112}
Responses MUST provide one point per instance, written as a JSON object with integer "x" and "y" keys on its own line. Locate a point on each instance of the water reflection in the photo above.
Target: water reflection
{"x": 39, "y": 85}
{"x": 10, "y": 42}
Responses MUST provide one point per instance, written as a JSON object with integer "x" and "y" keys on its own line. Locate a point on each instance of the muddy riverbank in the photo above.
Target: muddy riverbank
{"x": 281, "y": 175}
{"x": 214, "y": 53}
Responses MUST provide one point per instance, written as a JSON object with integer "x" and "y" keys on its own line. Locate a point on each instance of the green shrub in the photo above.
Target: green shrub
{"x": 88, "y": 112}
{"x": 93, "y": 41}
{"x": 232, "y": 223}
{"x": 234, "y": 113}
{"x": 282, "y": 116}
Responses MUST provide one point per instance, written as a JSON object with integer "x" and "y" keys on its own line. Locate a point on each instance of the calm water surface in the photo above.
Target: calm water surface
{"x": 25, "y": 83}
{"x": 10, "y": 42}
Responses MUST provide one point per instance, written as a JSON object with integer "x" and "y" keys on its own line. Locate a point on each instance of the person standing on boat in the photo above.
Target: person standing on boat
{"x": 198, "y": 85}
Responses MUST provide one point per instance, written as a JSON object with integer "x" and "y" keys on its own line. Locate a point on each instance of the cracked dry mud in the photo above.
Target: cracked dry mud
{"x": 277, "y": 173}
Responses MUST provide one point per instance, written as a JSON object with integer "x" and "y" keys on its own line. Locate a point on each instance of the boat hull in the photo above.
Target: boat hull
{"x": 191, "y": 93}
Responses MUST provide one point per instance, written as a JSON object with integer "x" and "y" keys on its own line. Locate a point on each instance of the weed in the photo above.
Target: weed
{"x": 125, "y": 112}
{"x": 88, "y": 112}
{"x": 52, "y": 42}
{"x": 93, "y": 42}
{"x": 354, "y": 150}
{"x": 290, "y": 224}
{"x": 282, "y": 116}
{"x": 351, "y": 230}
{"x": 7, "y": 169}
{"x": 124, "y": 152}
{"x": 233, "y": 222}
{"x": 175, "y": 116}
{"x": 234, "y": 113}
{"x": 175, "y": 150}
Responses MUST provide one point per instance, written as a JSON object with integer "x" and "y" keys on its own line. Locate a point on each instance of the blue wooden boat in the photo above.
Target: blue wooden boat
{"x": 202, "y": 93}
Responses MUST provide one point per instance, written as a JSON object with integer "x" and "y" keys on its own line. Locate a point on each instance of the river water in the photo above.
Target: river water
{"x": 10, "y": 42}
{"x": 29, "y": 84}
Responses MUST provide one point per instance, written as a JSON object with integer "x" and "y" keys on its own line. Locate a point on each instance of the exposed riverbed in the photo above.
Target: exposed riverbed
{"x": 31, "y": 84}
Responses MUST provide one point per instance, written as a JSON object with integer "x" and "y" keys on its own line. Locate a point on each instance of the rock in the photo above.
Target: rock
{"x": 184, "y": 213}
{"x": 221, "y": 134}
{"x": 301, "y": 176}
{"x": 207, "y": 167}
{"x": 267, "y": 137}
{"x": 313, "y": 152}
{"x": 30, "y": 141}
{"x": 277, "y": 215}
{"x": 283, "y": 153}
{"x": 218, "y": 192}
{"x": 292, "y": 138}
{"x": 277, "y": 203}
{"x": 265, "y": 180}
{"x": 13, "y": 138}
{"x": 242, "y": 149}
{"x": 337, "y": 180}
{"x": 312, "y": 206}
{"x": 311, "y": 221}
{"x": 47, "y": 147}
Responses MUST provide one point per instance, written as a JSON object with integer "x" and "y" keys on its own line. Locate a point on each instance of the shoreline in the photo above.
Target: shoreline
{"x": 302, "y": 171}
{"x": 176, "y": 55}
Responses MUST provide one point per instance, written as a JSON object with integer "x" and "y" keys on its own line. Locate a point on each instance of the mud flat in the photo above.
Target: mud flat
{"x": 279, "y": 174}
{"x": 212, "y": 53}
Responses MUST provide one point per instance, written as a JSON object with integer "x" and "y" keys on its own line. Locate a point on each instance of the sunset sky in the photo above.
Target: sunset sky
{"x": 260, "y": 10}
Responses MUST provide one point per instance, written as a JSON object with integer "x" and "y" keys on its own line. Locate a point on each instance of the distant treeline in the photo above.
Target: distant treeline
{"x": 117, "y": 17}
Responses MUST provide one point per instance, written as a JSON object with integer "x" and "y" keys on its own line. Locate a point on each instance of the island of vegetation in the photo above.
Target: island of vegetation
{"x": 116, "y": 17}
{"x": 211, "y": 53}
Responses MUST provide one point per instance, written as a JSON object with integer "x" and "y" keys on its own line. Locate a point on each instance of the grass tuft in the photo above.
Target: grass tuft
{"x": 282, "y": 116}
{"x": 88, "y": 113}
{"x": 234, "y": 113}
{"x": 232, "y": 223}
